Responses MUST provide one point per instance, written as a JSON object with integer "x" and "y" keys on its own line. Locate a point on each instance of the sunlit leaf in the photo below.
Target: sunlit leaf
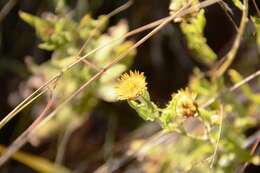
{"x": 238, "y": 4}
{"x": 44, "y": 28}
{"x": 193, "y": 31}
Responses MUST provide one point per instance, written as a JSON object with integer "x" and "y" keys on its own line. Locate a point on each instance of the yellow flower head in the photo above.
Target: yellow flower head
{"x": 130, "y": 86}
{"x": 186, "y": 104}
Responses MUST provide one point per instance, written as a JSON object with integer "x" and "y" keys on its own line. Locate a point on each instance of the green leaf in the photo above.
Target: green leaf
{"x": 238, "y": 4}
{"x": 56, "y": 32}
{"x": 193, "y": 31}
{"x": 44, "y": 28}
{"x": 145, "y": 107}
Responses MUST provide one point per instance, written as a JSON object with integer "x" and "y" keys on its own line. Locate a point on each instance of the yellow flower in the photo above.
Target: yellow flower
{"x": 130, "y": 86}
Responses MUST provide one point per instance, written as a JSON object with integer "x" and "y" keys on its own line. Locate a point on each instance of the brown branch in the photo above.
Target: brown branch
{"x": 22, "y": 139}
{"x": 92, "y": 33}
{"x": 222, "y": 5}
{"x": 6, "y": 9}
{"x": 256, "y": 7}
{"x": 228, "y": 59}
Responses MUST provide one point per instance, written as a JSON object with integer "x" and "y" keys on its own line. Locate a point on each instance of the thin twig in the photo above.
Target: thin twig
{"x": 256, "y": 7}
{"x": 233, "y": 51}
{"x": 21, "y": 106}
{"x": 219, "y": 135}
{"x": 62, "y": 144}
{"x": 228, "y": 15}
{"x": 22, "y": 139}
{"x": 251, "y": 152}
{"x": 7, "y": 8}
{"x": 233, "y": 88}
{"x": 92, "y": 33}
{"x": 121, "y": 8}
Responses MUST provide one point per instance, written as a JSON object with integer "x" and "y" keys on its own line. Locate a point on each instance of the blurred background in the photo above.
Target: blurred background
{"x": 165, "y": 60}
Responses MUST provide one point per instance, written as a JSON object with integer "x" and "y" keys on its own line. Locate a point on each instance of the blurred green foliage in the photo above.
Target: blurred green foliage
{"x": 192, "y": 27}
{"x": 218, "y": 142}
{"x": 219, "y": 136}
{"x": 64, "y": 36}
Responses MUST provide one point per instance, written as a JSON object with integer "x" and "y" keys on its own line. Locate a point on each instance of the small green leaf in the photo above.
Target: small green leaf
{"x": 193, "y": 31}
{"x": 44, "y": 28}
{"x": 145, "y": 107}
{"x": 238, "y": 4}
